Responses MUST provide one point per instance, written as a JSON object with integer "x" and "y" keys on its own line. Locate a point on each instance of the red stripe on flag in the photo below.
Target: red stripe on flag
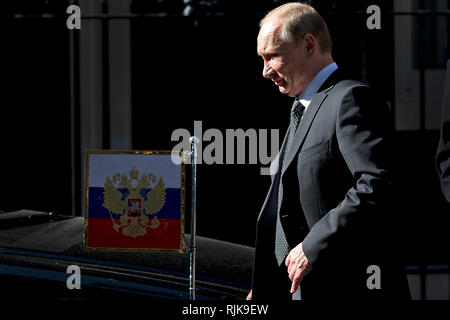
{"x": 101, "y": 234}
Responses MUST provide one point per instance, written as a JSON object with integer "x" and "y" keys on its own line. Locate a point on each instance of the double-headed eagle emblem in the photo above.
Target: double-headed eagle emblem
{"x": 137, "y": 201}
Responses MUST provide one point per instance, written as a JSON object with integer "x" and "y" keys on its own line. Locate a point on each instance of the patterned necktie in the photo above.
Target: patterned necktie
{"x": 281, "y": 244}
{"x": 296, "y": 115}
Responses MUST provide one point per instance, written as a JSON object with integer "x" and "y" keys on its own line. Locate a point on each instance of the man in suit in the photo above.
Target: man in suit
{"x": 324, "y": 228}
{"x": 443, "y": 152}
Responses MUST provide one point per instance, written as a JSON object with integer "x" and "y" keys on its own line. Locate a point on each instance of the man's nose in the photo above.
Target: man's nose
{"x": 267, "y": 70}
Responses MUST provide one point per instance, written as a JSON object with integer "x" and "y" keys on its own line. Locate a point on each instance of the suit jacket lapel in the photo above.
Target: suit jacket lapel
{"x": 300, "y": 135}
{"x": 303, "y": 128}
{"x": 309, "y": 116}
{"x": 277, "y": 162}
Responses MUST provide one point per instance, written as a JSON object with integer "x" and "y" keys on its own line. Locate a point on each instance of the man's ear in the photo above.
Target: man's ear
{"x": 310, "y": 43}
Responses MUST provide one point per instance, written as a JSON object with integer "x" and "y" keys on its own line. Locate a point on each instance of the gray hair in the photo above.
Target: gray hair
{"x": 299, "y": 19}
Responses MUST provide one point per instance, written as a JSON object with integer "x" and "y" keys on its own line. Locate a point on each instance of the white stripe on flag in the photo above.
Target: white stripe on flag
{"x": 107, "y": 165}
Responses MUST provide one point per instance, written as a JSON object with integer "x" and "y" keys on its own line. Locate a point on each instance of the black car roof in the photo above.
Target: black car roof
{"x": 43, "y": 234}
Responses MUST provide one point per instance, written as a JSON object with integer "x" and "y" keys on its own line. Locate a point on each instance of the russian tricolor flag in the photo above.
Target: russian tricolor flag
{"x": 134, "y": 201}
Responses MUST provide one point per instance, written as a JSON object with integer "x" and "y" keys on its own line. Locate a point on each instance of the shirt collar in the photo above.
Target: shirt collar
{"x": 307, "y": 95}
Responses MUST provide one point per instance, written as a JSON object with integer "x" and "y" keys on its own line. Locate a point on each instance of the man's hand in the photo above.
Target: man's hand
{"x": 298, "y": 266}
{"x": 249, "y": 296}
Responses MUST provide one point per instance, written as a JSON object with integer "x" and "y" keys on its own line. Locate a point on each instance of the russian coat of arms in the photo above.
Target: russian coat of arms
{"x": 136, "y": 200}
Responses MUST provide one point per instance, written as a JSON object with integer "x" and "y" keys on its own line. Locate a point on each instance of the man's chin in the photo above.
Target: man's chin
{"x": 285, "y": 91}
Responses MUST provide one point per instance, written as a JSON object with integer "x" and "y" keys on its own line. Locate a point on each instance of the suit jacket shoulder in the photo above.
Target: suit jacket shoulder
{"x": 344, "y": 86}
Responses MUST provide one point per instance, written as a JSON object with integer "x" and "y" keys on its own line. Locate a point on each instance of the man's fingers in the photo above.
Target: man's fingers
{"x": 293, "y": 268}
{"x": 250, "y": 295}
{"x": 292, "y": 272}
{"x": 296, "y": 281}
{"x": 288, "y": 260}
{"x": 297, "y": 266}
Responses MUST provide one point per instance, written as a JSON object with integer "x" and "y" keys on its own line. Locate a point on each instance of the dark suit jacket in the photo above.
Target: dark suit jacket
{"x": 333, "y": 195}
{"x": 443, "y": 152}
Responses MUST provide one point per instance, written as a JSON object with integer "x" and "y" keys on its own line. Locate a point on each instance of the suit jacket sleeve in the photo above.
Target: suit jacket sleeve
{"x": 363, "y": 126}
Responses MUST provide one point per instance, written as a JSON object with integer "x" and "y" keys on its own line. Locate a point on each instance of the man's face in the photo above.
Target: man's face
{"x": 284, "y": 63}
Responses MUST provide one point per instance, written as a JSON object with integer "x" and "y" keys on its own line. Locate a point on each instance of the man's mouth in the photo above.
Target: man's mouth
{"x": 278, "y": 82}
